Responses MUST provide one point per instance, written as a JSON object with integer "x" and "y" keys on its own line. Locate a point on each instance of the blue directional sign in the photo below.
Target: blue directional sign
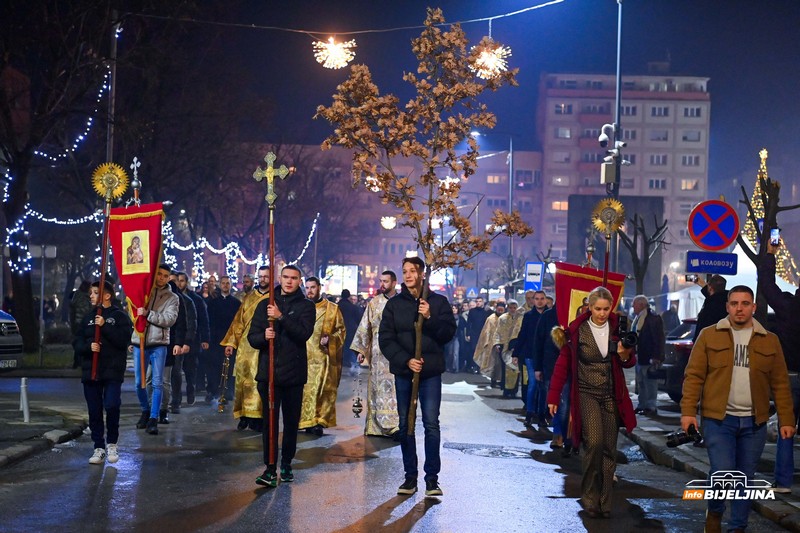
{"x": 533, "y": 276}
{"x": 713, "y": 225}
{"x": 711, "y": 263}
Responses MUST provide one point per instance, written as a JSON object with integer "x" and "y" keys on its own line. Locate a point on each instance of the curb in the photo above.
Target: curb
{"x": 778, "y": 510}
{"x": 74, "y": 429}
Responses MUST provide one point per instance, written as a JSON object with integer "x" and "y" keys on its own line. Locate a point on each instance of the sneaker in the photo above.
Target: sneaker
{"x": 432, "y": 488}
{"x": 286, "y": 474}
{"x": 780, "y": 490}
{"x": 268, "y": 479}
{"x": 162, "y": 417}
{"x": 152, "y": 426}
{"x": 189, "y": 399}
{"x": 142, "y": 423}
{"x": 409, "y": 486}
{"x": 113, "y": 453}
{"x": 98, "y": 457}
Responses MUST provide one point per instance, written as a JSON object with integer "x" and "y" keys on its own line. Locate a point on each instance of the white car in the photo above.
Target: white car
{"x": 10, "y": 343}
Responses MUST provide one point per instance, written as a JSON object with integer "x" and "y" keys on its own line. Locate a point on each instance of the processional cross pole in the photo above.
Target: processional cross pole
{"x": 270, "y": 173}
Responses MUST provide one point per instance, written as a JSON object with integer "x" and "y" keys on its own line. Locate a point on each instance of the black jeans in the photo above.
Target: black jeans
{"x": 187, "y": 363}
{"x": 103, "y": 395}
{"x": 289, "y": 400}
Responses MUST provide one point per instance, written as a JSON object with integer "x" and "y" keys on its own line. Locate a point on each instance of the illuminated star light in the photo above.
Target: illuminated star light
{"x": 334, "y": 55}
{"x": 491, "y": 60}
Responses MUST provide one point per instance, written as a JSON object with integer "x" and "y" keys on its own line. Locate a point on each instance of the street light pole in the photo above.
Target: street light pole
{"x": 613, "y": 188}
{"x": 511, "y": 194}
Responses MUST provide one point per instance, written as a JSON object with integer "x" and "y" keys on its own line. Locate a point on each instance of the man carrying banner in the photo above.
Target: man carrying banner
{"x": 161, "y": 313}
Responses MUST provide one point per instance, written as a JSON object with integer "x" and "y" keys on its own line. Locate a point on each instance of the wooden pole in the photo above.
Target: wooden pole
{"x": 412, "y": 410}
{"x": 101, "y": 288}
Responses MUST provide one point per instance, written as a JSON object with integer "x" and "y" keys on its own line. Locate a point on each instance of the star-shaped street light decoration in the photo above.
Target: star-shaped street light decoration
{"x": 334, "y": 55}
{"x": 490, "y": 59}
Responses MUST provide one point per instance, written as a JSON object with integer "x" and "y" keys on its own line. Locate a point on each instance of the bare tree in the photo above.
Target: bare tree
{"x": 642, "y": 246}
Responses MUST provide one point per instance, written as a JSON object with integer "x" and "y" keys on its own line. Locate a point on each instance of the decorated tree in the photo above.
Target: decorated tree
{"x": 428, "y": 128}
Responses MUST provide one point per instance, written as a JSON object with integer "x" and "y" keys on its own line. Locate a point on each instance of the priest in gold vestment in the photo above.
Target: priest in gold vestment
{"x": 381, "y": 417}
{"x": 246, "y": 400}
{"x": 507, "y": 330}
{"x": 484, "y": 349}
{"x": 324, "y": 349}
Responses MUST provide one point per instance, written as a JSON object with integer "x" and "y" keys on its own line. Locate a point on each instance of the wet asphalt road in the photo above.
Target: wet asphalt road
{"x": 198, "y": 475}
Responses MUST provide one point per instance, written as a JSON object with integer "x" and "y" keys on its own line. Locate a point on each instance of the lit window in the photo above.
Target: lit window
{"x": 560, "y": 205}
{"x": 563, "y": 109}
{"x": 496, "y": 178}
{"x": 690, "y": 185}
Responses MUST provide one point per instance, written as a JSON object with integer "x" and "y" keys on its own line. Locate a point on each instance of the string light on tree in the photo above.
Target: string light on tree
{"x": 334, "y": 55}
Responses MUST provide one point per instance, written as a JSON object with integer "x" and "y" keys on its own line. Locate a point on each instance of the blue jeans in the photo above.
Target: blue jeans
{"x": 153, "y": 356}
{"x": 561, "y": 420}
{"x": 531, "y": 400}
{"x": 430, "y": 399}
{"x": 103, "y": 395}
{"x": 648, "y": 388}
{"x": 734, "y": 443}
{"x": 784, "y": 454}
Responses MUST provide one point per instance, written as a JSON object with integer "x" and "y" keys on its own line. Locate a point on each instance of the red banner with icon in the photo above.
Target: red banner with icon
{"x": 135, "y": 236}
{"x": 573, "y": 285}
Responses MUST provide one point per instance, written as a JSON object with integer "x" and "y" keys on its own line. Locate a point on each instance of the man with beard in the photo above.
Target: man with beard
{"x": 484, "y": 350}
{"x": 324, "y": 350}
{"x": 246, "y": 400}
{"x": 381, "y": 418}
{"x": 247, "y": 287}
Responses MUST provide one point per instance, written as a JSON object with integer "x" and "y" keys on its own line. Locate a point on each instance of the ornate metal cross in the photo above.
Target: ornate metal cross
{"x": 270, "y": 172}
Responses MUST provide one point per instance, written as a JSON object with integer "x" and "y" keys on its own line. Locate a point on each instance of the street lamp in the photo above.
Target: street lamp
{"x": 510, "y": 180}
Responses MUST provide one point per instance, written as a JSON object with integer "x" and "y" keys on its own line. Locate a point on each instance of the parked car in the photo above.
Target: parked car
{"x": 676, "y": 356}
{"x": 10, "y": 343}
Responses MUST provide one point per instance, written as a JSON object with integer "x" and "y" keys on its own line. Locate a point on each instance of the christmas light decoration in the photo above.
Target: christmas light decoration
{"x": 785, "y": 266}
{"x": 490, "y": 59}
{"x": 334, "y": 55}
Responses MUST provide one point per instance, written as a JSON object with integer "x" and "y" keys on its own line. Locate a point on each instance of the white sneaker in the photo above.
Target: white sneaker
{"x": 99, "y": 457}
{"x": 113, "y": 454}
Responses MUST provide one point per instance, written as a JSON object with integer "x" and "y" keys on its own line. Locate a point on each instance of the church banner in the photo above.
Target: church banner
{"x": 135, "y": 235}
{"x": 574, "y": 283}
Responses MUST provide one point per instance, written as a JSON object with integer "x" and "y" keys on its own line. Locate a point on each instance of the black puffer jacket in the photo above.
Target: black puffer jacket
{"x": 292, "y": 332}
{"x": 397, "y": 337}
{"x": 114, "y": 337}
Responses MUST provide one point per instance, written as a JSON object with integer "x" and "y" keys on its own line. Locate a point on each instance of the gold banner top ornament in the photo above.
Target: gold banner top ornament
{"x": 608, "y": 216}
{"x": 110, "y": 181}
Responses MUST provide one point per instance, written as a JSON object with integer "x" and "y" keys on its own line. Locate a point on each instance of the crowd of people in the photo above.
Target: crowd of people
{"x": 289, "y": 351}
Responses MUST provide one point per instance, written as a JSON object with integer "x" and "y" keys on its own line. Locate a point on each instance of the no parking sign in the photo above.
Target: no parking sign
{"x": 713, "y": 225}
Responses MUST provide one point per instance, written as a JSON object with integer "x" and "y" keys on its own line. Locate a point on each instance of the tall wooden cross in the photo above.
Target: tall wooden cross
{"x": 270, "y": 172}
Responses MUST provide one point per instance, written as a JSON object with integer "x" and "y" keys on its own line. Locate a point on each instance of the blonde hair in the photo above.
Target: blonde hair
{"x": 600, "y": 293}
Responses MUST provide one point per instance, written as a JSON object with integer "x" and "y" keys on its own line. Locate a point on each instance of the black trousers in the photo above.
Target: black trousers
{"x": 289, "y": 401}
{"x": 188, "y": 364}
{"x": 103, "y": 395}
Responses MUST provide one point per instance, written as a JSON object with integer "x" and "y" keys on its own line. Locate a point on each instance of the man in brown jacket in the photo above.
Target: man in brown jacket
{"x": 735, "y": 366}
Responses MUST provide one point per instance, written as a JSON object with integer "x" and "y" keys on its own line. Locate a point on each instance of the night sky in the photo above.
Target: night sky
{"x": 750, "y": 50}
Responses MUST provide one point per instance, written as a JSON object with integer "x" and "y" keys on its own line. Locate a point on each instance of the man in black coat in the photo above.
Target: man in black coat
{"x": 476, "y": 318}
{"x": 397, "y": 338}
{"x": 200, "y": 342}
{"x": 103, "y": 393}
{"x": 536, "y": 396}
{"x": 787, "y": 326}
{"x": 649, "y": 353}
{"x": 221, "y": 309}
{"x": 352, "y": 318}
{"x": 545, "y": 354}
{"x": 288, "y": 322}
{"x": 715, "y": 305}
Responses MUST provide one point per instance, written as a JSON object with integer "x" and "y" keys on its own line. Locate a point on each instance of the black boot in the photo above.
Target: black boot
{"x": 162, "y": 417}
{"x": 152, "y": 426}
{"x": 142, "y": 423}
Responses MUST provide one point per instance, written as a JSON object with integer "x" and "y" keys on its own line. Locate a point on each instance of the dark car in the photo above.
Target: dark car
{"x": 10, "y": 343}
{"x": 676, "y": 355}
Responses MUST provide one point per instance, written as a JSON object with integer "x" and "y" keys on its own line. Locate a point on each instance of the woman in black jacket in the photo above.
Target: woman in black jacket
{"x": 103, "y": 392}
